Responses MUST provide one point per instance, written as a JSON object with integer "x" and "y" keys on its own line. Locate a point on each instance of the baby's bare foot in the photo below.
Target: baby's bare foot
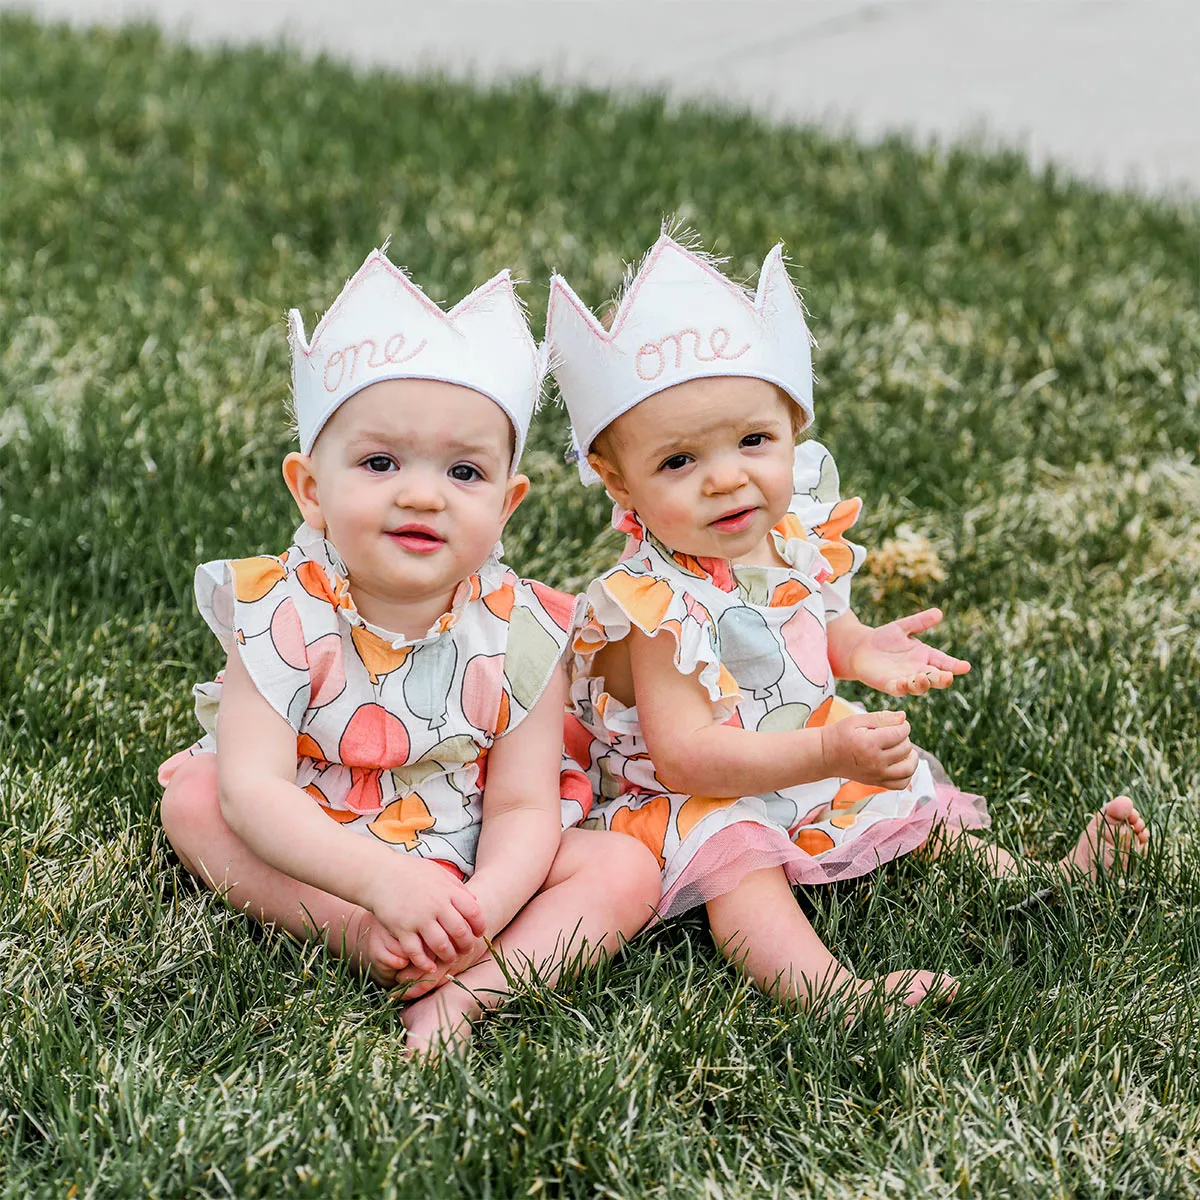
{"x": 440, "y": 1021}
{"x": 1109, "y": 840}
{"x": 900, "y": 990}
{"x": 907, "y": 989}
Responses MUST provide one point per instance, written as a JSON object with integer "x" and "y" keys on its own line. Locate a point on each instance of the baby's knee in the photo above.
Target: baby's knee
{"x": 627, "y": 872}
{"x": 191, "y": 806}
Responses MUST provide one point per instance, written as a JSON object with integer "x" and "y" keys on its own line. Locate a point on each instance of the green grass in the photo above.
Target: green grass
{"x": 1010, "y": 366}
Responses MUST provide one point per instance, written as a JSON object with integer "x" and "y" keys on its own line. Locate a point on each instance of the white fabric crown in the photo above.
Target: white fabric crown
{"x": 679, "y": 319}
{"x": 383, "y": 326}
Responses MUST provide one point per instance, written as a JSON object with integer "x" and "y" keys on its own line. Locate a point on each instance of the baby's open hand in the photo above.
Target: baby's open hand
{"x": 893, "y": 659}
{"x": 431, "y": 915}
{"x": 871, "y": 748}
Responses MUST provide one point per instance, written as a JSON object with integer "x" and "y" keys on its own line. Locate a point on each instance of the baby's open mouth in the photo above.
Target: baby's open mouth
{"x": 417, "y": 537}
{"x": 731, "y": 522}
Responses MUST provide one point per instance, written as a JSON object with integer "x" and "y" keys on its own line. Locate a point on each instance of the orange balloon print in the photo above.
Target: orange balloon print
{"x": 844, "y": 514}
{"x": 374, "y": 738}
{"x": 315, "y": 581}
{"x": 402, "y": 822}
{"x": 839, "y": 556}
{"x": 648, "y": 824}
{"x": 832, "y": 709}
{"x": 307, "y": 747}
{"x": 788, "y": 594}
{"x": 843, "y": 820}
{"x": 813, "y": 841}
{"x": 853, "y": 793}
{"x": 253, "y": 578}
{"x": 377, "y": 655}
{"x": 646, "y": 600}
{"x": 792, "y": 528}
{"x": 500, "y": 602}
{"x": 696, "y": 809}
{"x": 727, "y": 684}
{"x": 342, "y": 816}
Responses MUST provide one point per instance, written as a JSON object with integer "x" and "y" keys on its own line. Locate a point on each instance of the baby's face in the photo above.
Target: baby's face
{"x": 706, "y": 464}
{"x": 409, "y": 481}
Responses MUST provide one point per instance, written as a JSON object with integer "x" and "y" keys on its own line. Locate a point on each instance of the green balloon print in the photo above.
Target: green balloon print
{"x": 427, "y": 684}
{"x": 530, "y": 654}
{"x": 752, "y": 585}
{"x": 826, "y": 490}
{"x": 785, "y": 718}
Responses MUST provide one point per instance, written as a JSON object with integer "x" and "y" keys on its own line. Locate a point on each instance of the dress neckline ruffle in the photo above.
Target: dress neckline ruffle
{"x": 322, "y": 553}
{"x": 791, "y": 544}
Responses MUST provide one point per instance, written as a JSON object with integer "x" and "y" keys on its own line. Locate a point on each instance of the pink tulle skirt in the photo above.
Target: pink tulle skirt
{"x": 727, "y": 857}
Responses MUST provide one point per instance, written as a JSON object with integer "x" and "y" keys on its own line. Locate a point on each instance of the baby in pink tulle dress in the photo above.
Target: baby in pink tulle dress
{"x": 703, "y": 714}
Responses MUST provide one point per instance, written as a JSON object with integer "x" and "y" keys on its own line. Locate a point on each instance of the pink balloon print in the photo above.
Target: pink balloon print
{"x": 287, "y": 634}
{"x": 374, "y": 738}
{"x": 804, "y": 636}
{"x": 482, "y": 685}
{"x": 559, "y": 605}
{"x": 327, "y": 677}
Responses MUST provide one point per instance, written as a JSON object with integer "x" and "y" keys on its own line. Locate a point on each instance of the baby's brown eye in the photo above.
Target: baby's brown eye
{"x": 754, "y": 439}
{"x": 675, "y": 463}
{"x": 465, "y": 473}
{"x": 378, "y": 464}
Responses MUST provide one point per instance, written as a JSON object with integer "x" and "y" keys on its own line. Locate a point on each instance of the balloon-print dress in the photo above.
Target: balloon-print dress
{"x": 757, "y": 636}
{"x": 392, "y": 736}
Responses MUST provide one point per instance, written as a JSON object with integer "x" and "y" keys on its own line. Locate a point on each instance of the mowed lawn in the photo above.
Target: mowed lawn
{"x": 1010, "y": 378}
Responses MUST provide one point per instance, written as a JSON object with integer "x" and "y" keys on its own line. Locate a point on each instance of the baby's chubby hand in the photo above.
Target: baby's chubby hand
{"x": 429, "y": 913}
{"x": 871, "y": 748}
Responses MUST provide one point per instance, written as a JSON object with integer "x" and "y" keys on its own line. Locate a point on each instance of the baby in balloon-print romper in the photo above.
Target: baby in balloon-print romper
{"x": 703, "y": 716}
{"x": 380, "y": 768}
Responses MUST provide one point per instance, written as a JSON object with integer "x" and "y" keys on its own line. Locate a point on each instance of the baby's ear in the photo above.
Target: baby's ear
{"x": 302, "y": 483}
{"x": 611, "y": 477}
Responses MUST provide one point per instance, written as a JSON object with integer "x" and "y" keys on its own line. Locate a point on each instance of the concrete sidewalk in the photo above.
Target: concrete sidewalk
{"x": 1110, "y": 89}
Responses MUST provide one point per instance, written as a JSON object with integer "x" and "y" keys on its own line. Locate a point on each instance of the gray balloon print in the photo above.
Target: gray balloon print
{"x": 427, "y": 684}
{"x": 749, "y": 651}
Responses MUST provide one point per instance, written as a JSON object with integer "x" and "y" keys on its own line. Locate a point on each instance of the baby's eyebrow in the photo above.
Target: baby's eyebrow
{"x": 468, "y": 448}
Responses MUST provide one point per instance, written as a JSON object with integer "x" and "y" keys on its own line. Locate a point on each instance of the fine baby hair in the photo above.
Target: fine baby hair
{"x": 380, "y": 763}
{"x": 703, "y": 717}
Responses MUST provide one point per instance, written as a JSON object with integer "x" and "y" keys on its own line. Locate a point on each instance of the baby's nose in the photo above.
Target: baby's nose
{"x": 725, "y": 476}
{"x": 420, "y": 491}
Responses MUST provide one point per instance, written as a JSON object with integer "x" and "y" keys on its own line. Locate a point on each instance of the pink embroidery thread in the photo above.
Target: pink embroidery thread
{"x": 393, "y": 352}
{"x": 718, "y": 343}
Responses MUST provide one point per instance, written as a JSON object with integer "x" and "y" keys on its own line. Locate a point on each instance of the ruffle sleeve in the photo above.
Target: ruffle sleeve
{"x": 629, "y": 595}
{"x": 280, "y": 616}
{"x": 819, "y": 516}
{"x": 539, "y": 632}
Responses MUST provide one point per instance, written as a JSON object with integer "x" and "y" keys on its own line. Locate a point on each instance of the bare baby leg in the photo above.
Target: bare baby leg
{"x": 602, "y": 887}
{"x": 1109, "y": 839}
{"x": 214, "y": 854}
{"x": 761, "y": 929}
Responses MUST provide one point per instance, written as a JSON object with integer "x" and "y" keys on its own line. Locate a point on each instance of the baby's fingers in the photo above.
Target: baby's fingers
{"x": 438, "y": 941}
{"x": 899, "y": 775}
{"x": 457, "y": 930}
{"x": 888, "y": 737}
{"x": 472, "y": 913}
{"x": 416, "y": 953}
